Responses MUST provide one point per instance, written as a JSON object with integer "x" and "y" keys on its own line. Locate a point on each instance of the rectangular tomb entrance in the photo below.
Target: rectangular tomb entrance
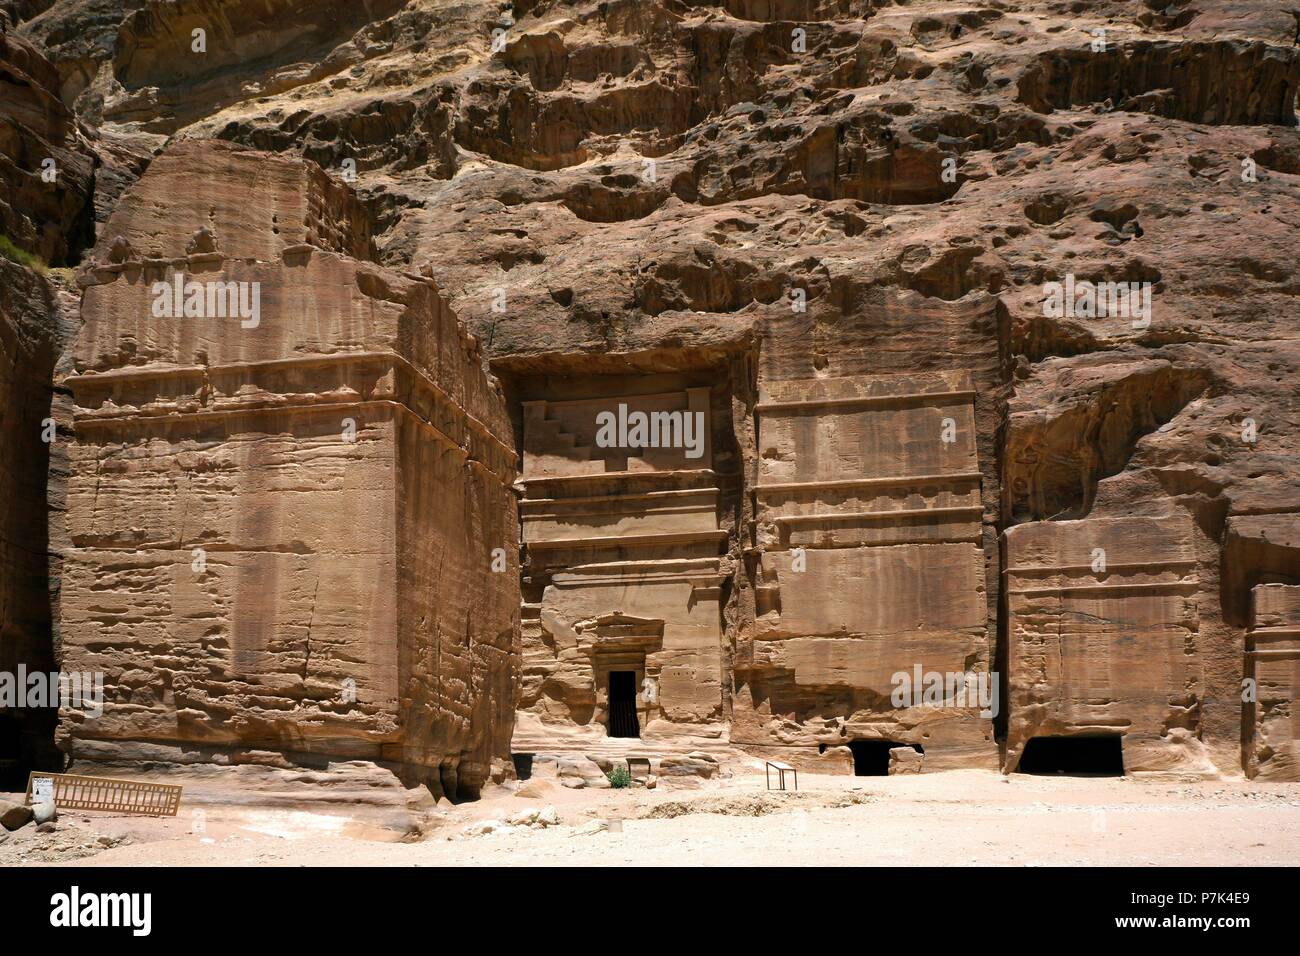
{"x": 622, "y": 705}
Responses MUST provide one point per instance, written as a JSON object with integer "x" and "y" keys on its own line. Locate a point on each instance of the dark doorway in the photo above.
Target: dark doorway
{"x": 1077, "y": 756}
{"x": 622, "y": 704}
{"x": 523, "y": 765}
{"x": 871, "y": 757}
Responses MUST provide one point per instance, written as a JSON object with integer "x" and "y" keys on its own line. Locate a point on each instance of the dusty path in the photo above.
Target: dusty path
{"x": 956, "y": 818}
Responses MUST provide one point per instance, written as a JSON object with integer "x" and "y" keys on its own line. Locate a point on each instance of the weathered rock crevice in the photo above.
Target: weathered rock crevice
{"x": 1223, "y": 83}
{"x": 1056, "y": 455}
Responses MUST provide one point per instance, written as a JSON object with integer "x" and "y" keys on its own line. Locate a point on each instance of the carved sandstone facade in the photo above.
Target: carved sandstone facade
{"x": 283, "y": 523}
{"x": 314, "y": 528}
{"x": 626, "y": 558}
{"x": 1102, "y": 636}
{"x": 832, "y": 537}
{"x": 868, "y": 513}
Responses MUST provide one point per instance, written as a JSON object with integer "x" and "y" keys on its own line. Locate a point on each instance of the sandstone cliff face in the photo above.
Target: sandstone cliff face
{"x": 832, "y": 227}
{"x": 282, "y": 511}
{"x": 46, "y": 169}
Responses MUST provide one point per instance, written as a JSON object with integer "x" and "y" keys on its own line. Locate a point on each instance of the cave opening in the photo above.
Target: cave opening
{"x": 1086, "y": 756}
{"x": 27, "y": 744}
{"x": 523, "y": 765}
{"x": 622, "y": 704}
{"x": 871, "y": 757}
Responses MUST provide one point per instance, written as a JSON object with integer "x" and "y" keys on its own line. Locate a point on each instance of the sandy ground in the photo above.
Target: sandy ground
{"x": 947, "y": 819}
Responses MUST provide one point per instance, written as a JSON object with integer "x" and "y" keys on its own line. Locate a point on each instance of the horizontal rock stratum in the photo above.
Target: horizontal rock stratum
{"x": 948, "y": 348}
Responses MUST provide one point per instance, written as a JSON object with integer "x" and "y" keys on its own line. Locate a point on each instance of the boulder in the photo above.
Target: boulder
{"x": 577, "y": 772}
{"x": 695, "y": 764}
{"x": 904, "y": 760}
{"x": 535, "y": 789}
{"x": 14, "y": 815}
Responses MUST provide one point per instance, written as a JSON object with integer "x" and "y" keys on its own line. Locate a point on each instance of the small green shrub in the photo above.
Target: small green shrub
{"x": 620, "y": 777}
{"x": 20, "y": 256}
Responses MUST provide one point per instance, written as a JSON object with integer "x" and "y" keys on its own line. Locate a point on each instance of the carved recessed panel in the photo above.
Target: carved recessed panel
{"x": 1102, "y": 630}
{"x": 624, "y": 564}
{"x": 868, "y": 517}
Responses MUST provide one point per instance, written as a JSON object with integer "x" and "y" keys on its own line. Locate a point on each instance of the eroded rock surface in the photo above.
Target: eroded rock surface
{"x": 46, "y": 165}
